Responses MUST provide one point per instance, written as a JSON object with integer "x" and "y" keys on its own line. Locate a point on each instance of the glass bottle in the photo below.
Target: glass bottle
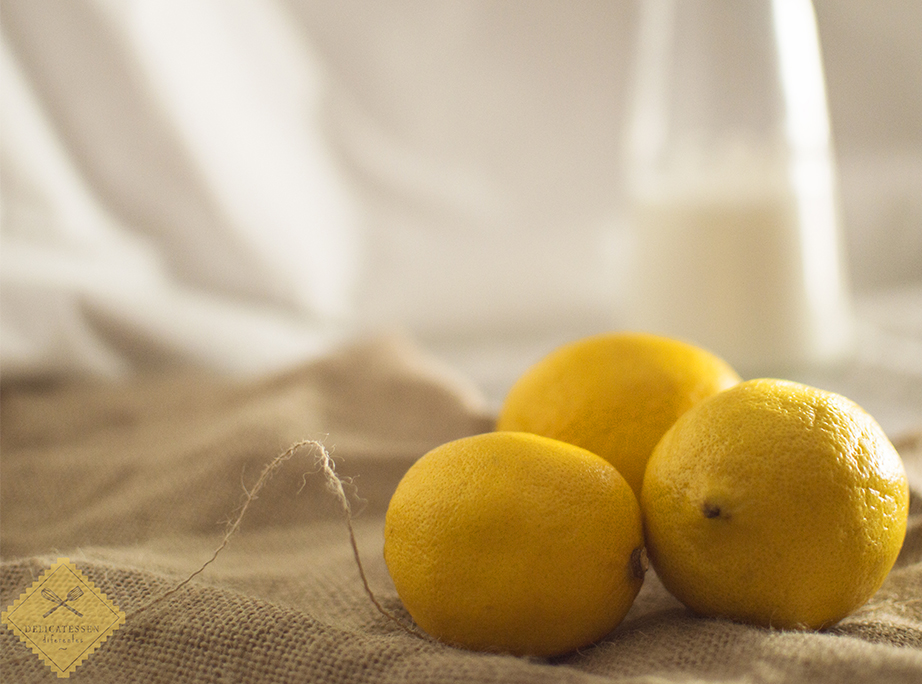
{"x": 732, "y": 199}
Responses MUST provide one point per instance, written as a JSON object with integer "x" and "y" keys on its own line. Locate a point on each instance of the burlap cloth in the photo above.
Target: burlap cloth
{"x": 135, "y": 484}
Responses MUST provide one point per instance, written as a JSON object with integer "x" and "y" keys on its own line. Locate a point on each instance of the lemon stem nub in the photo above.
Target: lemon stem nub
{"x": 710, "y": 510}
{"x": 640, "y": 562}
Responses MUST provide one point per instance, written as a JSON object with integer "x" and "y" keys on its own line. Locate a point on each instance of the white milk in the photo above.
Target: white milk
{"x": 747, "y": 269}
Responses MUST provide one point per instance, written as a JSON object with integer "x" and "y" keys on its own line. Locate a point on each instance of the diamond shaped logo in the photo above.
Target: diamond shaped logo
{"x": 63, "y": 617}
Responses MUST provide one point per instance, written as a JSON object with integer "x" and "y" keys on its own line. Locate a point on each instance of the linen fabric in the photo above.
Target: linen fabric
{"x": 135, "y": 482}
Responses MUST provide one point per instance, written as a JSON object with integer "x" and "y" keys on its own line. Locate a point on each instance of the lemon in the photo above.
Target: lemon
{"x": 614, "y": 394}
{"x": 515, "y": 543}
{"x": 775, "y": 503}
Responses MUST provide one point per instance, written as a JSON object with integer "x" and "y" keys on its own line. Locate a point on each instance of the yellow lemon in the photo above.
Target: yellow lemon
{"x": 614, "y": 394}
{"x": 775, "y": 503}
{"x": 516, "y": 543}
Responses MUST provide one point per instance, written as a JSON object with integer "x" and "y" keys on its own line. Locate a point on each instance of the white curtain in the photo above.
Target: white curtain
{"x": 237, "y": 184}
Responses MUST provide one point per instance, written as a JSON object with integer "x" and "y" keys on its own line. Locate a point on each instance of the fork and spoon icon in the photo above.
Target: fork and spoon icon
{"x": 72, "y": 595}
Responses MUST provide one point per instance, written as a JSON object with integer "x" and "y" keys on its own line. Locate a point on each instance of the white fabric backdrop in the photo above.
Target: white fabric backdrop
{"x": 237, "y": 184}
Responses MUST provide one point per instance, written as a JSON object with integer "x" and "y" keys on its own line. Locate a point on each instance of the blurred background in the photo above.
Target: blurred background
{"x": 238, "y": 185}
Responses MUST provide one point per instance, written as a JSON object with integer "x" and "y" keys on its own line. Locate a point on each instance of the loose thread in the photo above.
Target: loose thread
{"x": 334, "y": 485}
